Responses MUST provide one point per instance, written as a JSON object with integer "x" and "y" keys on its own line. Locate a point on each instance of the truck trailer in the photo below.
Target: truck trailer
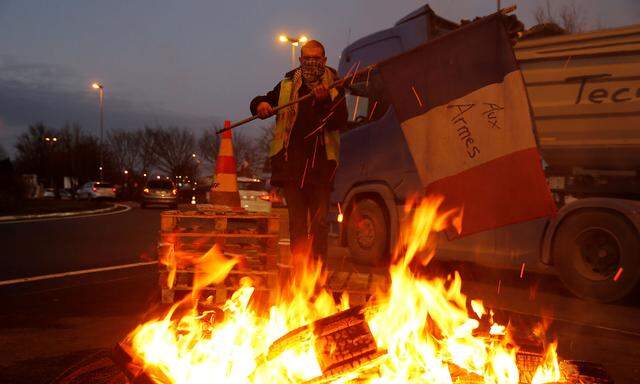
{"x": 584, "y": 91}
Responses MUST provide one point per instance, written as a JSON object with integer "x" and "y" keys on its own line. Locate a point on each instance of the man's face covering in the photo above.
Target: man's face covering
{"x": 312, "y": 70}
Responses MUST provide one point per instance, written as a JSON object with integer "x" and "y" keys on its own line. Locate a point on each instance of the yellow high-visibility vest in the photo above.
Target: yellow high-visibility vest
{"x": 286, "y": 117}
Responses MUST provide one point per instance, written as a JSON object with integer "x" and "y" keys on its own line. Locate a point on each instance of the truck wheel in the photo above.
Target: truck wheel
{"x": 367, "y": 232}
{"x": 590, "y": 248}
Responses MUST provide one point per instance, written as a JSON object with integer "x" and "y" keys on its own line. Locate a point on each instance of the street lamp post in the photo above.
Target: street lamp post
{"x": 50, "y": 140}
{"x": 100, "y": 89}
{"x": 193, "y": 187}
{"x": 294, "y": 43}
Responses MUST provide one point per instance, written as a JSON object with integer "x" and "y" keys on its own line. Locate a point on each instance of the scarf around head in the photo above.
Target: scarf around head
{"x": 312, "y": 70}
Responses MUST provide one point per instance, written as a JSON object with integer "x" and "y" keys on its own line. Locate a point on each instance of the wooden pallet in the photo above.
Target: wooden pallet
{"x": 263, "y": 282}
{"x": 170, "y": 220}
{"x": 251, "y": 237}
{"x": 198, "y": 231}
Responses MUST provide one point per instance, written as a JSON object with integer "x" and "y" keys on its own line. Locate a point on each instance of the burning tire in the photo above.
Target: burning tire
{"x": 367, "y": 234}
{"x": 597, "y": 255}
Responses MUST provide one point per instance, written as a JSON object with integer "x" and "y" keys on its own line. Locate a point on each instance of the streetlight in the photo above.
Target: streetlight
{"x": 50, "y": 142}
{"x": 100, "y": 89}
{"x": 294, "y": 43}
{"x": 195, "y": 176}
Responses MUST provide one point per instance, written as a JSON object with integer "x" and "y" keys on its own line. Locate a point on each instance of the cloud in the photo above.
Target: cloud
{"x": 31, "y": 92}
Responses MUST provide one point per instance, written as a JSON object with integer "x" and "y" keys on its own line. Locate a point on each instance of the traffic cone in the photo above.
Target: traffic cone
{"x": 224, "y": 190}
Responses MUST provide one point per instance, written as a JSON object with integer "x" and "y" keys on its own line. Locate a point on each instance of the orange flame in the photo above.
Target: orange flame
{"x": 549, "y": 371}
{"x": 422, "y": 325}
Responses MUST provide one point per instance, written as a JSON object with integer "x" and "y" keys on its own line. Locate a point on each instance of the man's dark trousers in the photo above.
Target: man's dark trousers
{"x": 308, "y": 204}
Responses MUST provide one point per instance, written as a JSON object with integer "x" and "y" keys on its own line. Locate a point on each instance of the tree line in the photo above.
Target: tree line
{"x": 53, "y": 153}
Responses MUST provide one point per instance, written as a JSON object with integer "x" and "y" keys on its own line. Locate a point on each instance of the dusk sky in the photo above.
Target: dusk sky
{"x": 189, "y": 63}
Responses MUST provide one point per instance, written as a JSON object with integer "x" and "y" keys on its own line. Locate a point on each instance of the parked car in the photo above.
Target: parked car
{"x": 65, "y": 194}
{"x": 96, "y": 190}
{"x": 159, "y": 192}
{"x": 49, "y": 193}
{"x": 254, "y": 196}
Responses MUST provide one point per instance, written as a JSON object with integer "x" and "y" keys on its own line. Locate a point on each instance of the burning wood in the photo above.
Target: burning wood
{"x": 343, "y": 343}
{"x": 414, "y": 331}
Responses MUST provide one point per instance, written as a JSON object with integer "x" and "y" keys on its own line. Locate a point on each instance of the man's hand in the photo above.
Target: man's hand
{"x": 264, "y": 110}
{"x": 321, "y": 92}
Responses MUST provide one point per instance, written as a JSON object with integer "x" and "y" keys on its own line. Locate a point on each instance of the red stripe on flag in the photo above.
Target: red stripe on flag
{"x": 226, "y": 164}
{"x": 507, "y": 190}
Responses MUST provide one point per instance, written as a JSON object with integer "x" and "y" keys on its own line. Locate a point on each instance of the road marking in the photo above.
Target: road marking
{"x": 78, "y": 216}
{"x": 85, "y": 284}
{"x": 74, "y": 273}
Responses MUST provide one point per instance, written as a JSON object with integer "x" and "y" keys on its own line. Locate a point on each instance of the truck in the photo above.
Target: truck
{"x": 584, "y": 93}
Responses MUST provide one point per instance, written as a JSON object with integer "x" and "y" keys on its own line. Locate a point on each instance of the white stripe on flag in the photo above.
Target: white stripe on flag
{"x": 484, "y": 125}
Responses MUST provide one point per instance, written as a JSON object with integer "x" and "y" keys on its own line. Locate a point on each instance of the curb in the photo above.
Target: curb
{"x": 18, "y": 218}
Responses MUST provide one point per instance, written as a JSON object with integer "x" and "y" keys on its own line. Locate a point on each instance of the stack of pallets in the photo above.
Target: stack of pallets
{"x": 187, "y": 235}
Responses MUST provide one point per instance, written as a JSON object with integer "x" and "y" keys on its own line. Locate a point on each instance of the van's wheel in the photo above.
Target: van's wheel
{"x": 589, "y": 249}
{"x": 367, "y": 232}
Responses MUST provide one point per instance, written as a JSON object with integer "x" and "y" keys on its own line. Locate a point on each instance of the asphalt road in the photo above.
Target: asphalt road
{"x": 52, "y": 246}
{"x": 46, "y": 326}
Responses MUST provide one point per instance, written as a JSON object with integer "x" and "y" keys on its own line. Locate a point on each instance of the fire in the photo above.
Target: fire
{"x": 425, "y": 329}
{"x": 549, "y": 371}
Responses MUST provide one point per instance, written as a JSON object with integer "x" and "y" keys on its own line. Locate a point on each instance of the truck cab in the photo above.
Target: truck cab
{"x": 377, "y": 174}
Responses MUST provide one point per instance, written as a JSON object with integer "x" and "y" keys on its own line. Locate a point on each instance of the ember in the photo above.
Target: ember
{"x": 415, "y": 330}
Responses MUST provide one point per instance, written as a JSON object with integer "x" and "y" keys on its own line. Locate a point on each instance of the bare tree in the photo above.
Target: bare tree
{"x": 263, "y": 146}
{"x": 247, "y": 159}
{"x": 544, "y": 14}
{"x": 208, "y": 145}
{"x": 247, "y": 150}
{"x": 174, "y": 148}
{"x": 125, "y": 150}
{"x": 146, "y": 154}
{"x": 54, "y": 153}
{"x": 573, "y": 18}
{"x": 570, "y": 17}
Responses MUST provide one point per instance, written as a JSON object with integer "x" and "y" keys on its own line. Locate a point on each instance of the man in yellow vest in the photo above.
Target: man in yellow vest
{"x": 304, "y": 151}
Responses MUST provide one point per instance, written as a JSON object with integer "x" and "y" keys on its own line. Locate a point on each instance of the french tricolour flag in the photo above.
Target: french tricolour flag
{"x": 464, "y": 111}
